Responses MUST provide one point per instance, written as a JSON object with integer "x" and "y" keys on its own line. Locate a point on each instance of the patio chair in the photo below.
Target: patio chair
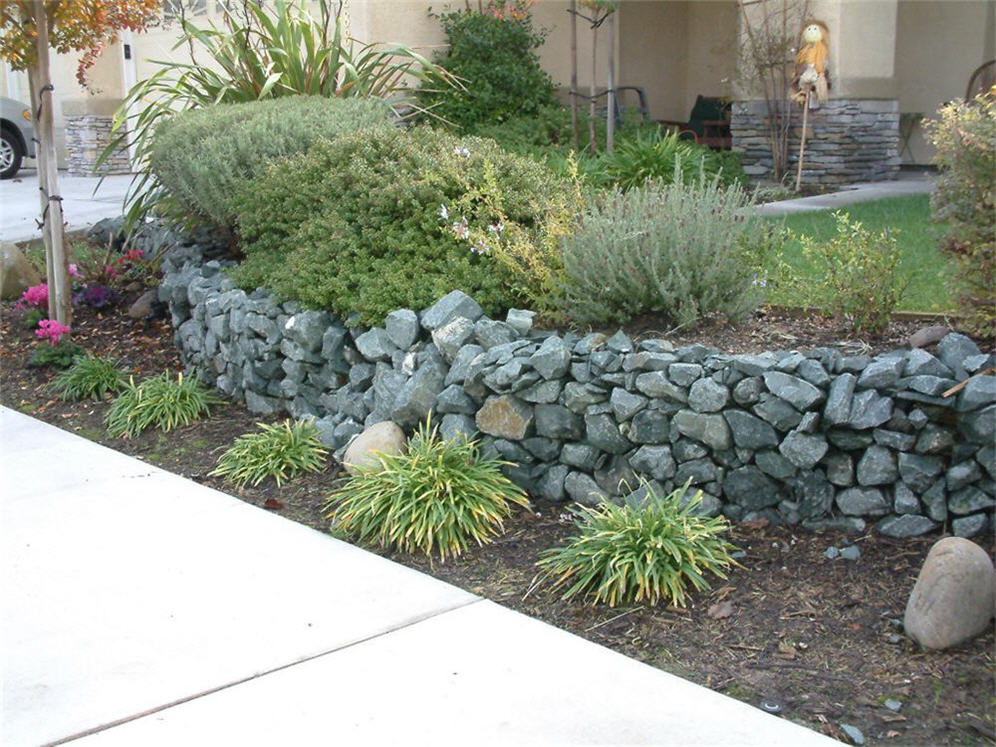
{"x": 708, "y": 124}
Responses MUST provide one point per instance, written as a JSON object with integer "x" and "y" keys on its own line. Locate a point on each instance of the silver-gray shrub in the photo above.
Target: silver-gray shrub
{"x": 203, "y": 156}
{"x": 679, "y": 250}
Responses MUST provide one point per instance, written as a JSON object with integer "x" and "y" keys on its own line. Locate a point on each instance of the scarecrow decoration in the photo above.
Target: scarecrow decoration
{"x": 811, "y": 82}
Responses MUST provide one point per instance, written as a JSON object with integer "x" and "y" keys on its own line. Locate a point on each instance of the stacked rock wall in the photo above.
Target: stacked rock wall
{"x": 818, "y": 438}
{"x": 86, "y": 138}
{"x": 847, "y": 141}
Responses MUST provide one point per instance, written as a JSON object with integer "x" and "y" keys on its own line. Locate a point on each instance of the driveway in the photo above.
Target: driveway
{"x": 81, "y": 205}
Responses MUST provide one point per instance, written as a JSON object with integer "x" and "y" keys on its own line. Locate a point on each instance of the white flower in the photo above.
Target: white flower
{"x": 480, "y": 248}
{"x": 461, "y": 151}
{"x": 497, "y": 227}
{"x": 460, "y": 229}
{"x": 443, "y": 212}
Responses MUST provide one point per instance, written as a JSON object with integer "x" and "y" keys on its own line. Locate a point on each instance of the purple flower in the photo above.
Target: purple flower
{"x": 96, "y": 295}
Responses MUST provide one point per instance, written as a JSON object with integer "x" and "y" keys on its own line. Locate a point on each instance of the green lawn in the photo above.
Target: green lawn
{"x": 908, "y": 218}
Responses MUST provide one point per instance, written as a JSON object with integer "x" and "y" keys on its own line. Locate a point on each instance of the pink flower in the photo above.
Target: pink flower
{"x": 74, "y": 272}
{"x": 51, "y": 330}
{"x": 36, "y": 297}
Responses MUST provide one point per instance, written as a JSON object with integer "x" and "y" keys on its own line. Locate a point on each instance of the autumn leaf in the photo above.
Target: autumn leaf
{"x": 721, "y": 610}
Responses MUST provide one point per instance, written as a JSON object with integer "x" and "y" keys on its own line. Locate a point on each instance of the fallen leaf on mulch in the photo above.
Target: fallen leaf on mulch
{"x": 761, "y": 523}
{"x": 274, "y": 504}
{"x": 785, "y": 651}
{"x": 720, "y": 610}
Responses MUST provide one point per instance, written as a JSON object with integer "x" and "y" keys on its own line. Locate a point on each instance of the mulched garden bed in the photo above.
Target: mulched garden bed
{"x": 817, "y": 639}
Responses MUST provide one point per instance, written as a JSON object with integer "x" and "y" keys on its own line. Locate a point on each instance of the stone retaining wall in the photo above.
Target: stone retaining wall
{"x": 86, "y": 138}
{"x": 848, "y": 141}
{"x": 821, "y": 438}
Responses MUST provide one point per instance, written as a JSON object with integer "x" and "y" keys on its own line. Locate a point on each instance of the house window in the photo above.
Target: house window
{"x": 173, "y": 10}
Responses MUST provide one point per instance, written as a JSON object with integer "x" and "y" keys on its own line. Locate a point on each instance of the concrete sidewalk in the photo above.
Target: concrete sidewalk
{"x": 140, "y": 608}
{"x": 908, "y": 183}
{"x": 82, "y": 206}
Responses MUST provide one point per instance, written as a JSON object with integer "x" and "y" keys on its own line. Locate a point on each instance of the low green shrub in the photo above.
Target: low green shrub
{"x": 203, "y": 156}
{"x": 494, "y": 54}
{"x": 679, "y": 250}
{"x": 280, "y": 451}
{"x": 90, "y": 377}
{"x": 965, "y": 138}
{"x": 161, "y": 402}
{"x": 664, "y": 159}
{"x": 630, "y": 554}
{"x": 379, "y": 220}
{"x": 856, "y": 274}
{"x": 60, "y": 355}
{"x": 436, "y": 498}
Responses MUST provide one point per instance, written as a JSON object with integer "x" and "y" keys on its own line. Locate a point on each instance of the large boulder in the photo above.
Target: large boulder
{"x": 380, "y": 438}
{"x": 952, "y": 600}
{"x": 17, "y": 274}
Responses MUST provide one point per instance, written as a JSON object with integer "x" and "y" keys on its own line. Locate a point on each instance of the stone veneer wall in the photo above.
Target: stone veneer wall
{"x": 86, "y": 137}
{"x": 849, "y": 141}
{"x": 818, "y": 438}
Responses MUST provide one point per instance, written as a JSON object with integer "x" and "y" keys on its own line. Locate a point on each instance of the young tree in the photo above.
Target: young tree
{"x": 28, "y": 30}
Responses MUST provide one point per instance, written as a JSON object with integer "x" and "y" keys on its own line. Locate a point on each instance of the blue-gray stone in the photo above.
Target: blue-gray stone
{"x": 978, "y": 392}
{"x": 556, "y": 421}
{"x": 581, "y": 455}
{"x": 490, "y": 333}
{"x": 452, "y": 337}
{"x": 803, "y": 450}
{"x": 650, "y": 427}
{"x": 583, "y": 489}
{"x": 292, "y": 350}
{"x": 578, "y": 396}
{"x": 810, "y": 423}
{"x": 469, "y": 360}
{"x": 625, "y": 404}
{"x": 648, "y": 361}
{"x": 711, "y": 430}
{"x": 869, "y": 410}
{"x": 499, "y": 355}
{"x": 906, "y": 525}
{"x": 604, "y": 361}
{"x": 862, "y": 502}
{"x": 778, "y": 412}
{"x": 259, "y": 404}
{"x": 307, "y": 328}
{"x": 655, "y": 461}
{"x": 589, "y": 343}
{"x": 894, "y": 439}
{"x": 520, "y": 320}
{"x": 706, "y": 395}
{"x": 969, "y": 500}
{"x": 851, "y": 552}
{"x": 748, "y": 391}
{"x": 418, "y": 396}
{"x": 699, "y": 471}
{"x": 453, "y": 399}
{"x": 920, "y": 362}
{"x": 881, "y": 373}
{"x": 616, "y": 477}
{"x": 657, "y": 384}
{"x": 402, "y": 328}
{"x": 552, "y": 359}
{"x": 953, "y": 349}
{"x": 754, "y": 365}
{"x": 986, "y": 457}
{"x": 684, "y": 374}
{"x": 695, "y": 353}
{"x": 685, "y": 449}
{"x": 919, "y": 471}
{"x": 975, "y": 363}
{"x": 979, "y": 426}
{"x": 932, "y": 386}
{"x": 962, "y": 474}
{"x": 551, "y": 484}
{"x": 750, "y": 432}
{"x": 619, "y": 343}
{"x": 853, "y": 363}
{"x": 849, "y": 524}
{"x": 789, "y": 363}
{"x": 750, "y": 488}
{"x": 544, "y": 449}
{"x": 837, "y": 410}
{"x": 934, "y": 439}
{"x": 969, "y": 526}
{"x": 814, "y": 494}
{"x": 877, "y": 466}
{"x": 904, "y": 500}
{"x": 797, "y": 392}
{"x": 935, "y": 501}
{"x": 603, "y": 433}
{"x": 504, "y": 378}
{"x": 456, "y": 426}
{"x": 542, "y": 391}
{"x": 513, "y": 452}
{"x": 453, "y": 304}
{"x": 375, "y": 345}
{"x": 360, "y": 376}
{"x": 811, "y": 371}
{"x": 774, "y": 464}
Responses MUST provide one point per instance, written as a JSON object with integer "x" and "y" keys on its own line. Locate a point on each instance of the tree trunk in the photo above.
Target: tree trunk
{"x": 610, "y": 122}
{"x": 59, "y": 306}
{"x": 575, "y": 128}
{"x": 593, "y": 89}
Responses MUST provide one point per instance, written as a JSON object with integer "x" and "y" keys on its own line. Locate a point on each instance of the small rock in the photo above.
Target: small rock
{"x": 928, "y": 335}
{"x": 453, "y": 304}
{"x": 893, "y": 705}
{"x": 143, "y": 305}
{"x": 505, "y": 417}
{"x": 851, "y": 552}
{"x": 402, "y": 327}
{"x": 832, "y": 553}
{"x": 952, "y": 600}
{"x": 381, "y": 438}
{"x": 853, "y": 733}
{"x": 17, "y": 274}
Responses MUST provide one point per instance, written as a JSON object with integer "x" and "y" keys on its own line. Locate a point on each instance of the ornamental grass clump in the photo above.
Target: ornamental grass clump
{"x": 90, "y": 377}
{"x": 435, "y": 499}
{"x": 161, "y": 401}
{"x": 630, "y": 554}
{"x": 280, "y": 451}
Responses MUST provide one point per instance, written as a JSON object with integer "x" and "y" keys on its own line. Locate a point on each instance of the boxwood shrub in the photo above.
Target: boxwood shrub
{"x": 202, "y": 156}
{"x": 383, "y": 219}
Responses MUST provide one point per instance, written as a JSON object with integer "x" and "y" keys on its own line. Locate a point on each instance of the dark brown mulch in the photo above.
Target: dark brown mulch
{"x": 815, "y": 637}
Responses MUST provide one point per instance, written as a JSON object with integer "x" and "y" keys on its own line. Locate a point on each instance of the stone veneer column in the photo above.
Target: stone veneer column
{"x": 848, "y": 141}
{"x": 88, "y": 131}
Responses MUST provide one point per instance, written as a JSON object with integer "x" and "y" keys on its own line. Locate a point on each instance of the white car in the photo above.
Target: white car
{"x": 16, "y": 136}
